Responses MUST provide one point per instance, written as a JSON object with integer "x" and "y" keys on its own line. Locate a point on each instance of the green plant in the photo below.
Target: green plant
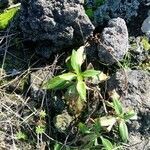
{"x": 145, "y": 43}
{"x": 42, "y": 114}
{"x": 90, "y": 9}
{"x": 40, "y": 129}
{"x": 93, "y": 137}
{"x": 75, "y": 79}
{"x": 21, "y": 136}
{"x": 7, "y": 16}
{"x": 120, "y": 118}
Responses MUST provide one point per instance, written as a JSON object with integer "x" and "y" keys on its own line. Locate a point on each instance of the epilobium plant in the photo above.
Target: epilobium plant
{"x": 93, "y": 137}
{"x": 74, "y": 80}
{"x": 119, "y": 118}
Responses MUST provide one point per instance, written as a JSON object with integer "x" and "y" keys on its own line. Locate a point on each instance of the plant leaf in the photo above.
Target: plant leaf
{"x": 7, "y": 16}
{"x": 77, "y": 58}
{"x": 97, "y": 127}
{"x": 80, "y": 55}
{"x": 83, "y": 128}
{"x": 60, "y": 81}
{"x": 81, "y": 88}
{"x": 117, "y": 106}
{"x": 123, "y": 130}
{"x": 57, "y": 146}
{"x": 90, "y": 73}
{"x": 74, "y": 62}
{"x": 130, "y": 115}
{"x": 106, "y": 143}
{"x": 68, "y": 76}
{"x": 55, "y": 83}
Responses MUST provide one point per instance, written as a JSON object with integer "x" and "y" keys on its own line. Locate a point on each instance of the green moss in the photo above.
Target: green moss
{"x": 145, "y": 43}
{"x": 90, "y": 13}
{"x": 91, "y": 9}
{"x": 7, "y": 16}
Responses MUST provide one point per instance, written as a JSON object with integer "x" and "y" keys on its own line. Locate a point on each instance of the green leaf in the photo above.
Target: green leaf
{"x": 117, "y": 106}
{"x": 74, "y": 63}
{"x": 60, "y": 81}
{"x": 77, "y": 58}
{"x": 106, "y": 143}
{"x": 57, "y": 146}
{"x": 123, "y": 130}
{"x": 83, "y": 128}
{"x": 80, "y": 55}
{"x": 130, "y": 115}
{"x": 55, "y": 83}
{"x": 68, "y": 76}
{"x": 97, "y": 127}
{"x": 7, "y": 16}
{"x": 81, "y": 88}
{"x": 90, "y": 73}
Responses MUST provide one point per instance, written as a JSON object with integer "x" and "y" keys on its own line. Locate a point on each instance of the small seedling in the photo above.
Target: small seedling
{"x": 120, "y": 118}
{"x": 93, "y": 134}
{"x": 21, "y": 136}
{"x": 74, "y": 80}
{"x": 42, "y": 114}
{"x": 40, "y": 129}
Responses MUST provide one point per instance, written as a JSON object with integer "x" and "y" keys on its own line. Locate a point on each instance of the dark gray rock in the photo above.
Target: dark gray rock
{"x": 138, "y": 142}
{"x": 134, "y": 87}
{"x": 114, "y": 42}
{"x": 125, "y": 9}
{"x": 146, "y": 26}
{"x": 137, "y": 51}
{"x": 38, "y": 93}
{"x": 4, "y": 3}
{"x": 36, "y": 81}
{"x": 54, "y": 24}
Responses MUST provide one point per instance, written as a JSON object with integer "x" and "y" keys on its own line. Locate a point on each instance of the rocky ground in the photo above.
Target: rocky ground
{"x": 33, "y": 49}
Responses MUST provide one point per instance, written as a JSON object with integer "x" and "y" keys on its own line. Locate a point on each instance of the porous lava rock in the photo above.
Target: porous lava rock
{"x": 113, "y": 42}
{"x": 146, "y": 26}
{"x": 54, "y": 24}
{"x": 125, "y": 9}
{"x": 133, "y": 86}
{"x": 3, "y": 3}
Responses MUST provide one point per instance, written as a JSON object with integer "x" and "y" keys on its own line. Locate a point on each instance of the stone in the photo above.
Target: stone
{"x": 36, "y": 81}
{"x": 38, "y": 93}
{"x": 133, "y": 86}
{"x": 63, "y": 121}
{"x": 146, "y": 26}
{"x": 137, "y": 142}
{"x": 54, "y": 25}
{"x": 125, "y": 9}
{"x": 4, "y": 3}
{"x": 114, "y": 42}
